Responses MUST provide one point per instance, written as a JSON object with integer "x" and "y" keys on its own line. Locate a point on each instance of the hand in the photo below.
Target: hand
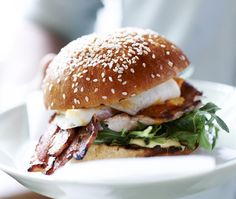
{"x": 44, "y": 63}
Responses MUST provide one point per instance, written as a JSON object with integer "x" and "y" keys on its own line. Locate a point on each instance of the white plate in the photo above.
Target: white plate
{"x": 126, "y": 178}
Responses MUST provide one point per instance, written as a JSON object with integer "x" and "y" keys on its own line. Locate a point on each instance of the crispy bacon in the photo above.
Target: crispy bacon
{"x": 57, "y": 146}
{"x": 51, "y": 144}
{"x": 84, "y": 138}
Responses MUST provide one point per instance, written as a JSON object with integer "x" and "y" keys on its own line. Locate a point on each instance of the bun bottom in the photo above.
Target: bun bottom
{"x": 102, "y": 151}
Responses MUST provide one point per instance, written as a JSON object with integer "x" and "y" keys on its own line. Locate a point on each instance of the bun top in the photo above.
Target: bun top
{"x": 103, "y": 69}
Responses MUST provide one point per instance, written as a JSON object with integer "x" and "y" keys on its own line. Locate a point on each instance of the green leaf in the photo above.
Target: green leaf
{"x": 215, "y": 137}
{"x": 204, "y": 141}
{"x": 143, "y": 134}
{"x": 210, "y": 108}
{"x": 187, "y": 138}
{"x": 221, "y": 123}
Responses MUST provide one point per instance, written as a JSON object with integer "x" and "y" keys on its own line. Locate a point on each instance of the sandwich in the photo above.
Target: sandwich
{"x": 119, "y": 95}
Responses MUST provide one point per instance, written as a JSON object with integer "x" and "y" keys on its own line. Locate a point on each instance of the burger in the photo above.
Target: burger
{"x": 119, "y": 95}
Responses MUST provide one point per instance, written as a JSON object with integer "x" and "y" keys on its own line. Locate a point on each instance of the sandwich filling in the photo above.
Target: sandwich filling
{"x": 158, "y": 95}
{"x": 168, "y": 116}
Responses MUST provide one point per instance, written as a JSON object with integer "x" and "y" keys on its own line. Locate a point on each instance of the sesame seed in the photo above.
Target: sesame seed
{"x": 58, "y": 81}
{"x": 50, "y": 87}
{"x": 75, "y": 78}
{"x": 153, "y": 76}
{"x": 87, "y": 78}
{"x": 124, "y": 93}
{"x": 148, "y": 49}
{"x": 104, "y": 79}
{"x": 75, "y": 101}
{"x": 75, "y": 90}
{"x": 168, "y": 52}
{"x": 113, "y": 90}
{"x": 78, "y": 101}
{"x": 133, "y": 95}
{"x": 173, "y": 46}
{"x": 73, "y": 107}
{"x": 102, "y": 74}
{"x": 161, "y": 67}
{"x": 86, "y": 98}
{"x": 182, "y": 57}
{"x": 64, "y": 96}
{"x": 163, "y": 45}
{"x": 95, "y": 80}
{"x": 104, "y": 97}
{"x": 153, "y": 56}
{"x": 124, "y": 83}
{"x": 110, "y": 78}
{"x": 52, "y": 104}
{"x": 170, "y": 63}
{"x": 158, "y": 75}
{"x": 144, "y": 65}
{"x": 110, "y": 64}
{"x": 132, "y": 70}
{"x": 82, "y": 89}
{"x": 120, "y": 71}
{"x": 96, "y": 90}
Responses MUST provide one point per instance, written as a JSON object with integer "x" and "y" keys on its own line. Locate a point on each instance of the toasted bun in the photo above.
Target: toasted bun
{"x": 103, "y": 69}
{"x": 102, "y": 151}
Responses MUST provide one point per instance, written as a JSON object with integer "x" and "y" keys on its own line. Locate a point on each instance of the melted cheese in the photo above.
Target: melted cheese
{"x": 166, "y": 143}
{"x": 75, "y": 117}
{"x": 158, "y": 94}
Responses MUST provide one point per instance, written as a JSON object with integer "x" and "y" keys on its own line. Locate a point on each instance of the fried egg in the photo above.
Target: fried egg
{"x": 157, "y": 94}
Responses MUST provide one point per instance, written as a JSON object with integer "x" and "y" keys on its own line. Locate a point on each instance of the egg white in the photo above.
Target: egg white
{"x": 157, "y": 94}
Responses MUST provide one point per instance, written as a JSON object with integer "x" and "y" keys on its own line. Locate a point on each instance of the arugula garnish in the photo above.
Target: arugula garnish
{"x": 198, "y": 127}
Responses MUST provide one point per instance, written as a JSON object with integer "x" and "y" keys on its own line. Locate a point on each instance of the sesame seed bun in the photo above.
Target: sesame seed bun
{"x": 99, "y": 70}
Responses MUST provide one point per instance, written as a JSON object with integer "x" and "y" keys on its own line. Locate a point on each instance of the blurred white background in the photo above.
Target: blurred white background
{"x": 12, "y": 14}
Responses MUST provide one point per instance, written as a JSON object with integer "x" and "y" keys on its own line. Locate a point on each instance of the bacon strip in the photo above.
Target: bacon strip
{"x": 79, "y": 146}
{"x": 51, "y": 144}
{"x": 57, "y": 146}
